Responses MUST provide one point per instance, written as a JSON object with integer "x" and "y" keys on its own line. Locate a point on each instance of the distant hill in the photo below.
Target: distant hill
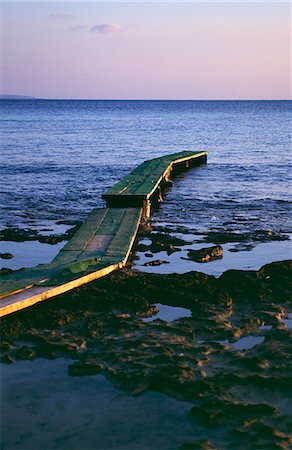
{"x": 15, "y": 97}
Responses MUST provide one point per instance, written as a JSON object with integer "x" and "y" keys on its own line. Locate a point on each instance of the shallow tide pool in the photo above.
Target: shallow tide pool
{"x": 168, "y": 313}
{"x": 47, "y": 409}
{"x": 177, "y": 262}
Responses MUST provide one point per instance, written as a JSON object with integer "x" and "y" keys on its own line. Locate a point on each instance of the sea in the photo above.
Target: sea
{"x": 218, "y": 367}
{"x": 59, "y": 156}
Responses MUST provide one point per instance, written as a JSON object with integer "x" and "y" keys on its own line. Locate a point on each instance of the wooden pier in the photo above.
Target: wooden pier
{"x": 104, "y": 241}
{"x": 146, "y": 183}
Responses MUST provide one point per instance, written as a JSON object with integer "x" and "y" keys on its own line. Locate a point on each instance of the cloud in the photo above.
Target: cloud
{"x": 106, "y": 28}
{"x": 60, "y": 16}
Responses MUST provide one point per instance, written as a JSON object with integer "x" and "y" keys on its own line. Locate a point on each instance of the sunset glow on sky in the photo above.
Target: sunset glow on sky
{"x": 146, "y": 50}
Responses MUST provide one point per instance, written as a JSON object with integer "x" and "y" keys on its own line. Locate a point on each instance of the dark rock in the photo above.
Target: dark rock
{"x": 167, "y": 239}
{"x": 156, "y": 247}
{"x": 153, "y": 310}
{"x": 84, "y": 369}
{"x": 52, "y": 239}
{"x": 171, "y": 249}
{"x": 16, "y": 234}
{"x": 69, "y": 233}
{"x": 157, "y": 262}
{"x": 67, "y": 222}
{"x": 238, "y": 399}
{"x": 256, "y": 434}
{"x": 5, "y": 271}
{"x": 197, "y": 445}
{"x": 142, "y": 248}
{"x": 217, "y": 413}
{"x": 6, "y": 255}
{"x": 206, "y": 254}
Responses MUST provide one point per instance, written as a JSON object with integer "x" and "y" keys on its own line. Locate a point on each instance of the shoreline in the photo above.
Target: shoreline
{"x": 222, "y": 347}
{"x": 242, "y": 251}
{"x": 131, "y": 295}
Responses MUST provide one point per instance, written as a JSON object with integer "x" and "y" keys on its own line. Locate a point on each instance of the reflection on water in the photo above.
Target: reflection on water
{"x": 47, "y": 409}
{"x": 288, "y": 321}
{"x": 28, "y": 253}
{"x": 168, "y": 313}
{"x": 83, "y": 147}
{"x": 173, "y": 383}
{"x": 247, "y": 342}
{"x": 266, "y": 327}
{"x": 230, "y": 373}
{"x": 253, "y": 259}
{"x": 243, "y": 188}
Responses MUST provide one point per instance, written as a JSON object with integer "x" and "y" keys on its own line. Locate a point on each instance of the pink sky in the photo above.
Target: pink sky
{"x": 146, "y": 50}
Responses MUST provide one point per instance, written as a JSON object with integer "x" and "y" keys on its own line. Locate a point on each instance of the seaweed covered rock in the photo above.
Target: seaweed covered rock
{"x": 206, "y": 254}
{"x": 237, "y": 395}
{"x": 6, "y": 255}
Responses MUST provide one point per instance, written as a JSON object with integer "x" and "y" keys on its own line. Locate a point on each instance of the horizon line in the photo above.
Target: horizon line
{"x": 27, "y": 97}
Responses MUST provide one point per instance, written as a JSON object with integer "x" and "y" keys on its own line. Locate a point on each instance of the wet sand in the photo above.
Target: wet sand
{"x": 216, "y": 346}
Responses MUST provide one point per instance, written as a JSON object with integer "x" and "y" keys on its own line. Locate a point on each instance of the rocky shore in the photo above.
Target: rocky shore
{"x": 230, "y": 357}
{"x": 17, "y": 234}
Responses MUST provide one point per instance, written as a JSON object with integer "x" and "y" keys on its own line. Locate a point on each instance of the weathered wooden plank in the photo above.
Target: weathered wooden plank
{"x": 21, "y": 279}
{"x": 123, "y": 223}
{"x": 117, "y": 244}
{"x": 148, "y": 167}
{"x": 122, "y": 239}
{"x": 143, "y": 186}
{"x": 34, "y": 295}
{"x": 103, "y": 219}
{"x": 111, "y": 221}
{"x": 101, "y": 245}
{"x": 177, "y": 155}
{"x": 85, "y": 233}
{"x": 125, "y": 183}
{"x": 65, "y": 257}
{"x": 26, "y": 277}
{"x": 144, "y": 180}
{"x": 130, "y": 183}
{"x": 73, "y": 271}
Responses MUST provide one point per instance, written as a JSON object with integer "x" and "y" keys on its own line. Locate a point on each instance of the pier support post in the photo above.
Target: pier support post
{"x": 146, "y": 209}
{"x": 160, "y": 197}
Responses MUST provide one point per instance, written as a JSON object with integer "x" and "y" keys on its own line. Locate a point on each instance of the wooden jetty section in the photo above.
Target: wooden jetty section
{"x": 101, "y": 245}
{"x": 146, "y": 182}
{"x": 104, "y": 241}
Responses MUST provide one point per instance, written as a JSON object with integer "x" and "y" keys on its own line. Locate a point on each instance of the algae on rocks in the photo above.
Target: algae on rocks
{"x": 101, "y": 328}
{"x": 206, "y": 254}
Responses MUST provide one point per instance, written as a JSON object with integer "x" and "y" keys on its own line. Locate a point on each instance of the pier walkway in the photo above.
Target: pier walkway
{"x": 104, "y": 242}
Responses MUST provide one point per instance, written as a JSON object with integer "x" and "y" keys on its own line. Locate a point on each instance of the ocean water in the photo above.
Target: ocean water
{"x": 58, "y": 157}
{"x": 205, "y": 369}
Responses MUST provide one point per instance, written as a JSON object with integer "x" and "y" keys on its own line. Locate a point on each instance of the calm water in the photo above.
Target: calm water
{"x": 59, "y": 156}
